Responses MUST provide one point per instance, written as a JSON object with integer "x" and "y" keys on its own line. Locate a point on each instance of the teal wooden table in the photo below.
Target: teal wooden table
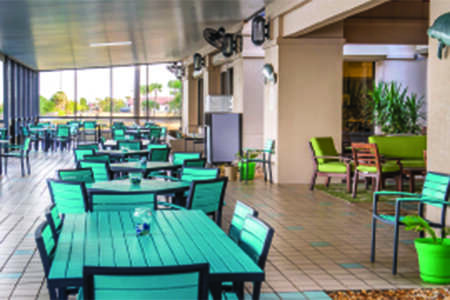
{"x": 150, "y": 166}
{"x": 176, "y": 238}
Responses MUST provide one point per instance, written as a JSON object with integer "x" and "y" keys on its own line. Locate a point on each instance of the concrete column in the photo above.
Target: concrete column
{"x": 438, "y": 153}
{"x": 190, "y": 105}
{"x": 305, "y": 102}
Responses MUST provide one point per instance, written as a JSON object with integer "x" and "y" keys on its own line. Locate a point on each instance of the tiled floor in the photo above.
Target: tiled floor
{"x": 321, "y": 243}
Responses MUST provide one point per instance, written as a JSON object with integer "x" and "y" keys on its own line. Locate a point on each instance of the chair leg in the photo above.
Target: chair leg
{"x": 394, "y": 259}
{"x": 270, "y": 171}
{"x": 374, "y": 239}
{"x": 355, "y": 184}
{"x": 22, "y": 166}
{"x": 348, "y": 180}
{"x": 238, "y": 288}
{"x": 327, "y": 182}
{"x": 6, "y": 165}
{"x": 313, "y": 181}
{"x": 256, "y": 290}
{"x": 366, "y": 182}
{"x": 246, "y": 172}
{"x": 400, "y": 183}
{"x": 265, "y": 172}
{"x": 28, "y": 165}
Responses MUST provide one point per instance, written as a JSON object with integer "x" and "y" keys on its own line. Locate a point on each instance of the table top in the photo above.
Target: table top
{"x": 146, "y": 185}
{"x": 176, "y": 238}
{"x": 137, "y": 167}
{"x": 122, "y": 152}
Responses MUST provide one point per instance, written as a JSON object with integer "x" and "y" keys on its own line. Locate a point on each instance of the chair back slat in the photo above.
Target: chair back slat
{"x": 241, "y": 211}
{"x": 131, "y": 145}
{"x": 194, "y": 163}
{"x": 54, "y": 219}
{"x": 191, "y": 174}
{"x": 170, "y": 282}
{"x": 436, "y": 187}
{"x": 46, "y": 245}
{"x": 366, "y": 155}
{"x": 78, "y": 175}
{"x": 79, "y": 153}
{"x": 69, "y": 197}
{"x": 90, "y": 125}
{"x": 98, "y": 157}
{"x": 255, "y": 239}
{"x": 178, "y": 158}
{"x": 116, "y": 201}
{"x": 99, "y": 168}
{"x": 63, "y": 131}
{"x": 161, "y": 154}
{"x": 269, "y": 146}
{"x": 88, "y": 146}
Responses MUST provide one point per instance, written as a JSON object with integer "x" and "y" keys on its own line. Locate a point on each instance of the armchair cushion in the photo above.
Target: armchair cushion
{"x": 388, "y": 167}
{"x": 406, "y": 147}
{"x": 333, "y": 167}
{"x": 413, "y": 163}
{"x": 323, "y": 146}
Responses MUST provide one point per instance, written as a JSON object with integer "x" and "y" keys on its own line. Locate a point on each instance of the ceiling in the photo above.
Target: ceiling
{"x": 56, "y": 34}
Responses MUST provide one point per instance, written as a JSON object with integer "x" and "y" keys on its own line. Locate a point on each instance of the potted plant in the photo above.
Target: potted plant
{"x": 230, "y": 171}
{"x": 394, "y": 110}
{"x": 249, "y": 154}
{"x": 433, "y": 253}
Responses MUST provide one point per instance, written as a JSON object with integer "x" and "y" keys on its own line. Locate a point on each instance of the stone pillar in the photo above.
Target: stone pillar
{"x": 190, "y": 105}
{"x": 438, "y": 91}
{"x": 305, "y": 102}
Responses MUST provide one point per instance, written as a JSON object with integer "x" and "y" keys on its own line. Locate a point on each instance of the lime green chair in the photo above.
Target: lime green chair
{"x": 150, "y": 283}
{"x": 328, "y": 162}
{"x": 369, "y": 165}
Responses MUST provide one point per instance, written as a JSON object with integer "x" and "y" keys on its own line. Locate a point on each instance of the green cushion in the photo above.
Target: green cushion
{"x": 386, "y": 168}
{"x": 333, "y": 167}
{"x": 413, "y": 163}
{"x": 407, "y": 147}
{"x": 323, "y": 146}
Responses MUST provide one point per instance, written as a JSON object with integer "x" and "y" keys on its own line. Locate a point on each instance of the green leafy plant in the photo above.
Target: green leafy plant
{"x": 394, "y": 110}
{"x": 418, "y": 224}
{"x": 251, "y": 154}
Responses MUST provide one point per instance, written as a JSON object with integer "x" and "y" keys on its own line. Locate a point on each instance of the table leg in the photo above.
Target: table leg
{"x": 256, "y": 290}
{"x": 411, "y": 182}
{"x": 179, "y": 199}
{"x": 215, "y": 289}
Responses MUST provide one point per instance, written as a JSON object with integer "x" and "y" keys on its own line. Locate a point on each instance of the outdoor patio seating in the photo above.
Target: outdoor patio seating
{"x": 78, "y": 175}
{"x": 369, "y": 165}
{"x": 264, "y": 157}
{"x": 54, "y": 219}
{"x": 328, "y": 162}
{"x": 101, "y": 169}
{"x": 21, "y": 152}
{"x": 70, "y": 197}
{"x": 159, "y": 154}
{"x": 435, "y": 193}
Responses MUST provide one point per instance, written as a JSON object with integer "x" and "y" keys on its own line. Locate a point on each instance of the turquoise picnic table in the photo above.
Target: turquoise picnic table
{"x": 176, "y": 238}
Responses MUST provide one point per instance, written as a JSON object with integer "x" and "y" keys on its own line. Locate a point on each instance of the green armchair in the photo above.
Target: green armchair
{"x": 328, "y": 162}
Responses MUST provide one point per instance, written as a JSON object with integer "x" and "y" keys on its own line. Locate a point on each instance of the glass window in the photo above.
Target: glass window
{"x": 94, "y": 93}
{"x": 57, "y": 93}
{"x": 123, "y": 93}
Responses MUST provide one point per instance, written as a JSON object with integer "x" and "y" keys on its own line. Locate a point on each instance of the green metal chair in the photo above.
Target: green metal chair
{"x": 241, "y": 211}
{"x": 90, "y": 129}
{"x": 178, "y": 158}
{"x": 435, "y": 192}
{"x": 118, "y": 134}
{"x": 191, "y": 174}
{"x": 131, "y": 145}
{"x": 54, "y": 219}
{"x": 328, "y": 162}
{"x": 265, "y": 159}
{"x": 255, "y": 239}
{"x": 187, "y": 282}
{"x": 155, "y": 134}
{"x": 159, "y": 154}
{"x": 77, "y": 175}
{"x": 194, "y": 163}
{"x": 98, "y": 157}
{"x": 70, "y": 197}
{"x": 79, "y": 153}
{"x": 208, "y": 196}
{"x": 62, "y": 137}
{"x": 46, "y": 245}
{"x": 19, "y": 152}
{"x": 101, "y": 169}
{"x": 92, "y": 146}
{"x": 119, "y": 201}
{"x": 157, "y": 146}
{"x": 3, "y": 134}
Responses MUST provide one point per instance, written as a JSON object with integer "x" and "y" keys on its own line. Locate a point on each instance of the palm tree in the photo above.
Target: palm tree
{"x": 154, "y": 87}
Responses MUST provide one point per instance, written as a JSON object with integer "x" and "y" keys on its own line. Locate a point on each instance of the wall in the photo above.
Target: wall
{"x": 438, "y": 104}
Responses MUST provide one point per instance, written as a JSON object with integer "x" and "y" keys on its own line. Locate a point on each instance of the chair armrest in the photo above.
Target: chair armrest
{"x": 341, "y": 158}
{"x": 170, "y": 205}
{"x": 408, "y": 199}
{"x": 395, "y": 193}
{"x": 434, "y": 201}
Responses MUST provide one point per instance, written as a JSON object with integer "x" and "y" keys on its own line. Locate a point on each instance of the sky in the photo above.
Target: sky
{"x": 94, "y": 83}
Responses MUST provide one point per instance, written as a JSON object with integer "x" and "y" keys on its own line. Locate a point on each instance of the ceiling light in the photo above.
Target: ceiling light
{"x": 111, "y": 44}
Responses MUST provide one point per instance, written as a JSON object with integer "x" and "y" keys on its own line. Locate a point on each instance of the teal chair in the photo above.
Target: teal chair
{"x": 191, "y": 174}
{"x": 159, "y": 154}
{"x": 328, "y": 162}
{"x": 131, "y": 145}
{"x": 98, "y": 157}
{"x": 264, "y": 158}
{"x": 90, "y": 129}
{"x": 3, "y": 134}
{"x": 77, "y": 175}
{"x": 46, "y": 245}
{"x": 62, "y": 137}
{"x": 70, "y": 197}
{"x": 93, "y": 146}
{"x": 435, "y": 192}
{"x": 100, "y": 169}
{"x": 157, "y": 146}
{"x": 118, "y": 134}
{"x": 120, "y": 201}
{"x": 241, "y": 211}
{"x": 208, "y": 196}
{"x": 79, "y": 153}
{"x": 18, "y": 152}
{"x": 54, "y": 219}
{"x": 178, "y": 158}
{"x": 187, "y": 282}
{"x": 155, "y": 134}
